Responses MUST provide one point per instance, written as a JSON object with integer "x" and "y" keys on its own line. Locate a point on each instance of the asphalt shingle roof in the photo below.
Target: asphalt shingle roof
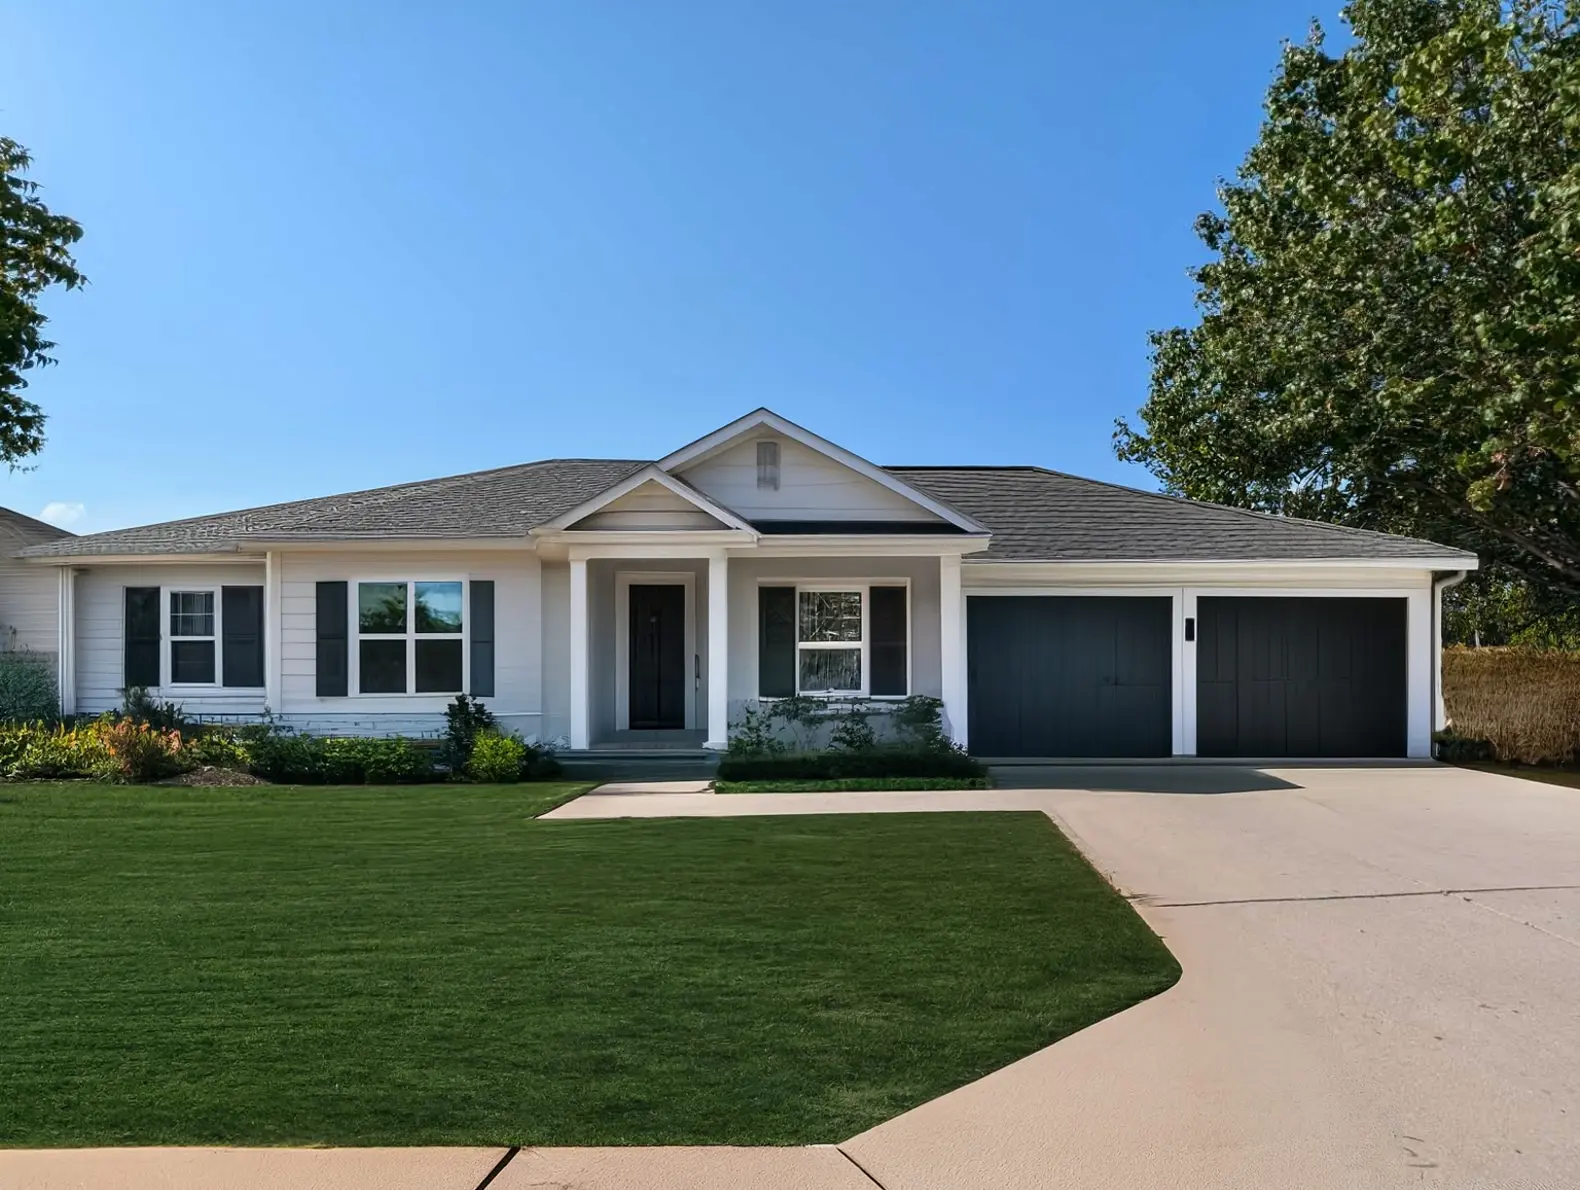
{"x": 1040, "y": 515}
{"x": 1034, "y": 515}
{"x": 502, "y": 503}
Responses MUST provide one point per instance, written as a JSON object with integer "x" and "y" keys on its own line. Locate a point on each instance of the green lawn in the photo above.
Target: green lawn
{"x": 430, "y": 966}
{"x": 1550, "y": 776}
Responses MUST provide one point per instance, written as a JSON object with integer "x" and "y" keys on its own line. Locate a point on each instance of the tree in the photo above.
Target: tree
{"x": 1389, "y": 329}
{"x": 35, "y": 253}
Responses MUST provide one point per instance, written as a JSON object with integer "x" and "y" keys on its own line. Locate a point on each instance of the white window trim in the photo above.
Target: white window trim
{"x": 167, "y": 638}
{"x": 864, "y": 586}
{"x": 411, "y": 636}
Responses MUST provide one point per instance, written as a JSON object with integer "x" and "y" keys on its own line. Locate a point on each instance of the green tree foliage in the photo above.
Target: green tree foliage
{"x": 1493, "y": 608}
{"x": 35, "y": 253}
{"x": 1390, "y": 324}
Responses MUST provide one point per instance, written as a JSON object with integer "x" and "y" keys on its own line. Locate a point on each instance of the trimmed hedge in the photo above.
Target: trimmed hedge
{"x": 1520, "y": 705}
{"x": 837, "y": 765}
{"x": 853, "y": 785}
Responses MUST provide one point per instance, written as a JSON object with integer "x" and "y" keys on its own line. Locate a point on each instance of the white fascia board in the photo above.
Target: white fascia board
{"x": 710, "y": 445}
{"x": 231, "y": 558}
{"x": 1464, "y": 563}
{"x": 652, "y": 473}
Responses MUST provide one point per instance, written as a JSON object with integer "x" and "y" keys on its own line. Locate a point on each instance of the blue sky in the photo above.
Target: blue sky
{"x": 340, "y": 244}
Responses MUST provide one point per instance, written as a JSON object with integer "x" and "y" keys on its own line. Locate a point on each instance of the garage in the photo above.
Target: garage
{"x": 1320, "y": 677}
{"x": 1069, "y": 675}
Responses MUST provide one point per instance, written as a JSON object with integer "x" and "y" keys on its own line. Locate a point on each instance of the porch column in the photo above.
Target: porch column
{"x": 272, "y": 668}
{"x": 952, "y": 647}
{"x": 66, "y": 640}
{"x": 718, "y": 651}
{"x": 581, "y": 736}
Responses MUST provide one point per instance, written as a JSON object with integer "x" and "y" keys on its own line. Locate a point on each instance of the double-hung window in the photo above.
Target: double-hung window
{"x": 192, "y": 638}
{"x": 411, "y": 637}
{"x": 831, "y": 642}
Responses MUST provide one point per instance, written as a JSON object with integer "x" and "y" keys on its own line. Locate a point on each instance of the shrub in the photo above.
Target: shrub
{"x": 27, "y": 689}
{"x": 38, "y": 753}
{"x": 300, "y": 759}
{"x": 464, "y": 720}
{"x": 1454, "y": 748}
{"x": 142, "y": 707}
{"x": 138, "y": 752}
{"x": 833, "y": 765}
{"x": 541, "y": 763}
{"x": 218, "y": 747}
{"x": 1525, "y": 703}
{"x": 287, "y": 758}
{"x": 497, "y": 759}
{"x": 853, "y": 732}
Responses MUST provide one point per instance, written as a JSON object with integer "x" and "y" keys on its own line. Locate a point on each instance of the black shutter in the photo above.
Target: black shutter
{"x": 482, "y": 638}
{"x": 141, "y": 637}
{"x": 775, "y": 642}
{"x": 333, "y": 646}
{"x": 241, "y": 620}
{"x": 886, "y": 623}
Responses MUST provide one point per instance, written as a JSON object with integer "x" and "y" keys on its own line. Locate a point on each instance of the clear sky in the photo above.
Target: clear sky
{"x": 343, "y": 243}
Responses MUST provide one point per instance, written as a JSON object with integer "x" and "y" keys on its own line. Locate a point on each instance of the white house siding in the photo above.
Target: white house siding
{"x": 518, "y": 641}
{"x": 749, "y": 573}
{"x": 651, "y": 506}
{"x": 1186, "y": 582}
{"x": 29, "y": 602}
{"x": 812, "y": 486}
{"x": 101, "y": 623}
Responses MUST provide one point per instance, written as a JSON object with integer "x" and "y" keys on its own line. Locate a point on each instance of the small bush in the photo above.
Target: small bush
{"x": 218, "y": 748}
{"x": 1525, "y": 703}
{"x": 1454, "y": 748}
{"x": 142, "y": 707}
{"x": 465, "y": 720}
{"x": 27, "y": 689}
{"x": 35, "y": 752}
{"x": 138, "y": 752}
{"x": 497, "y": 759}
{"x": 832, "y": 765}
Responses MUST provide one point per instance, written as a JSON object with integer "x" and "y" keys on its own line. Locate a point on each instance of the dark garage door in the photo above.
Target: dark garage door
{"x": 1069, "y": 676}
{"x": 1300, "y": 677}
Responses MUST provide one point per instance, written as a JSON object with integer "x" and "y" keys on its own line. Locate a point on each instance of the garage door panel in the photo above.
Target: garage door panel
{"x": 1069, "y": 675}
{"x": 1302, "y": 677}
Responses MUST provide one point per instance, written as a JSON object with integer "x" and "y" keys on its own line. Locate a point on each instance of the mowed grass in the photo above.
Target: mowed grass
{"x": 431, "y": 966}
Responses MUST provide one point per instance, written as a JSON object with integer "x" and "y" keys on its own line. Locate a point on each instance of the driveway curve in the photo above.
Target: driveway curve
{"x": 1381, "y": 989}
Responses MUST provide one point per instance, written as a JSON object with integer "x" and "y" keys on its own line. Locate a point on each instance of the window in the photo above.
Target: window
{"x": 192, "y": 637}
{"x": 830, "y": 642}
{"x": 768, "y": 466}
{"x": 410, "y": 638}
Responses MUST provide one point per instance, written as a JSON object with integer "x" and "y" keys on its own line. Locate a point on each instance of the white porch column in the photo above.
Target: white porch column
{"x": 952, "y": 646}
{"x": 581, "y": 734}
{"x": 66, "y": 641}
{"x": 718, "y": 651}
{"x": 272, "y": 668}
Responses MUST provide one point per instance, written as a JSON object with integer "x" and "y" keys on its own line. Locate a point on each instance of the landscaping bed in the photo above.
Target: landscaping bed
{"x": 430, "y": 965}
{"x": 853, "y": 785}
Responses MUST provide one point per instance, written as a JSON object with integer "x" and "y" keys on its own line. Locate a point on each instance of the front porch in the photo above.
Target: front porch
{"x": 667, "y": 648}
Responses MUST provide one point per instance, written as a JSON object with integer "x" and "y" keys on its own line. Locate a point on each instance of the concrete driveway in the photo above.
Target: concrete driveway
{"x": 1382, "y": 988}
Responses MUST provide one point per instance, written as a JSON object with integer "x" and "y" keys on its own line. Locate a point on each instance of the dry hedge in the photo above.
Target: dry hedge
{"x": 1524, "y": 702}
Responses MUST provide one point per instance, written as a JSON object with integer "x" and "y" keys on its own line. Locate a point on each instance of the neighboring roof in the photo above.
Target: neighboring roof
{"x": 506, "y": 502}
{"x": 31, "y": 529}
{"x": 1038, "y": 515}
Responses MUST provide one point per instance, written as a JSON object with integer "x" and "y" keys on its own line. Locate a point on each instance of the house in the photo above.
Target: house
{"x": 605, "y": 600}
{"x": 28, "y": 595}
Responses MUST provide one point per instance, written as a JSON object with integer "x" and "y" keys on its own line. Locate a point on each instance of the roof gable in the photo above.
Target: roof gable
{"x": 648, "y": 499}
{"x": 820, "y": 480}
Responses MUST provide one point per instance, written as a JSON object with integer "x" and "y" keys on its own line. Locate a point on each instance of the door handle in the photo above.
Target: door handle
{"x": 696, "y": 670}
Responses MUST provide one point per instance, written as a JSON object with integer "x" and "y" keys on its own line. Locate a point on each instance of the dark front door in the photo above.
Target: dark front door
{"x": 658, "y": 657}
{"x": 1300, "y": 677}
{"x": 1069, "y": 676}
